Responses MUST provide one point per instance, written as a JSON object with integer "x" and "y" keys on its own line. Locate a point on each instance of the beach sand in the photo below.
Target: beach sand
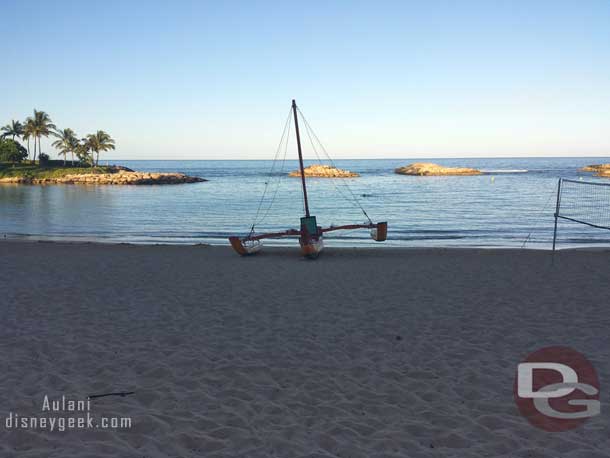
{"x": 362, "y": 353}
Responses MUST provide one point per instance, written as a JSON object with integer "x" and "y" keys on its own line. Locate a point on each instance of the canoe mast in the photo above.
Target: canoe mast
{"x": 310, "y": 234}
{"x": 298, "y": 135}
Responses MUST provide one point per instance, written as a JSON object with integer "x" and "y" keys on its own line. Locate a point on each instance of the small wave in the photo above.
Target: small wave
{"x": 504, "y": 170}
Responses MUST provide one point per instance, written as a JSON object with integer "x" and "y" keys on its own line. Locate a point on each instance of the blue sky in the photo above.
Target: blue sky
{"x": 214, "y": 80}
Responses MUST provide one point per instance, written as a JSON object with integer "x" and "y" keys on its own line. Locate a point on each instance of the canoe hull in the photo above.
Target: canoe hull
{"x": 312, "y": 248}
{"x": 245, "y": 248}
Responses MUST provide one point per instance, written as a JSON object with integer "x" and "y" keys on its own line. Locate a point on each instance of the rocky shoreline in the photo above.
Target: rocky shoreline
{"x": 430, "y": 169}
{"x": 122, "y": 177}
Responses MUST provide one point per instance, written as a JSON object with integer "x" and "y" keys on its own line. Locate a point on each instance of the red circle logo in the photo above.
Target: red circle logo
{"x": 556, "y": 389}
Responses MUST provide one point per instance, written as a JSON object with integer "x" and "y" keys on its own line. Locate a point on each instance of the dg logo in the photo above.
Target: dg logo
{"x": 556, "y": 389}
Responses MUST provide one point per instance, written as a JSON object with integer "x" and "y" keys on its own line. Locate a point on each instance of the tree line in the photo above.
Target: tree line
{"x": 87, "y": 149}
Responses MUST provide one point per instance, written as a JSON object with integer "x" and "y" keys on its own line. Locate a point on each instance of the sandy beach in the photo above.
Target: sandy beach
{"x": 362, "y": 353}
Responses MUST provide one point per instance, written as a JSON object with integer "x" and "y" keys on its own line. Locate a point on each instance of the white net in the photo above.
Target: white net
{"x": 585, "y": 202}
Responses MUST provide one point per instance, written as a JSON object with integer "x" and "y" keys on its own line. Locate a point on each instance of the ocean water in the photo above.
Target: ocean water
{"x": 514, "y": 199}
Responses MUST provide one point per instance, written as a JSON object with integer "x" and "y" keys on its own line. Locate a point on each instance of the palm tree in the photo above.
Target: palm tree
{"x": 28, "y": 132}
{"x": 14, "y": 129}
{"x": 41, "y": 126}
{"x": 100, "y": 141}
{"x": 82, "y": 152}
{"x": 66, "y": 143}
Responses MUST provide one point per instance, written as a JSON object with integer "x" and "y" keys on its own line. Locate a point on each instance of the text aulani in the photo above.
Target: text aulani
{"x": 65, "y": 405}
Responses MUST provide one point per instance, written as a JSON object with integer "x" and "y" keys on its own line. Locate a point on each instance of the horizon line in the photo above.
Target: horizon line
{"x": 375, "y": 158}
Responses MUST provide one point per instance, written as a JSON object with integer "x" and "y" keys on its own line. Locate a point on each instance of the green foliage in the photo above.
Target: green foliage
{"x": 66, "y": 142}
{"x": 83, "y": 153}
{"x": 37, "y": 171}
{"x": 40, "y": 125}
{"x": 14, "y": 129}
{"x": 43, "y": 159}
{"x": 100, "y": 141}
{"x": 12, "y": 151}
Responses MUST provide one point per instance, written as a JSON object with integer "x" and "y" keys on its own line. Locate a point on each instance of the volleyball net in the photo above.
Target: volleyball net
{"x": 582, "y": 202}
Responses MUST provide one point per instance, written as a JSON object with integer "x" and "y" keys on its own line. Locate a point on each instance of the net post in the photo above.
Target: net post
{"x": 556, "y": 215}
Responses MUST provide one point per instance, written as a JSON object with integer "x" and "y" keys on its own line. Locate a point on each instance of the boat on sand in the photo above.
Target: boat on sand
{"x": 310, "y": 235}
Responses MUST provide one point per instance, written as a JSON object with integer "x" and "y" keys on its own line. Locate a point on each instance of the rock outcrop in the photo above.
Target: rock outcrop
{"x": 122, "y": 177}
{"x": 430, "y": 169}
{"x": 324, "y": 171}
{"x": 116, "y": 168}
{"x": 603, "y": 170}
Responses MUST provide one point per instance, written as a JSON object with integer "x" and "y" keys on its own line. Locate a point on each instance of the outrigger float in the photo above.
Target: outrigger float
{"x": 311, "y": 236}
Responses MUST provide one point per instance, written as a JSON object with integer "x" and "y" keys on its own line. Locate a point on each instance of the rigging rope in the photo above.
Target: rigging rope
{"x": 270, "y": 175}
{"x": 280, "y": 176}
{"x": 311, "y": 133}
{"x": 313, "y": 146}
{"x": 539, "y": 217}
{"x": 283, "y": 145}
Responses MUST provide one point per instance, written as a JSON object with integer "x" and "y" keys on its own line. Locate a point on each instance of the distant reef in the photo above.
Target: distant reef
{"x": 602, "y": 170}
{"x": 324, "y": 171}
{"x": 111, "y": 175}
{"x": 430, "y": 169}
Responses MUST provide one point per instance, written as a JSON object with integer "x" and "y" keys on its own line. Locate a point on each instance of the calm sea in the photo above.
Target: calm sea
{"x": 513, "y": 199}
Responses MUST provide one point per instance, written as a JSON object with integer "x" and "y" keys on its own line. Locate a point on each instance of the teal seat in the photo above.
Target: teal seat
{"x": 309, "y": 224}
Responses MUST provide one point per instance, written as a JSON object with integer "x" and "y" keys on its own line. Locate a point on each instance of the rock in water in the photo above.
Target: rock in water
{"x": 430, "y": 169}
{"x": 324, "y": 171}
{"x": 603, "y": 170}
